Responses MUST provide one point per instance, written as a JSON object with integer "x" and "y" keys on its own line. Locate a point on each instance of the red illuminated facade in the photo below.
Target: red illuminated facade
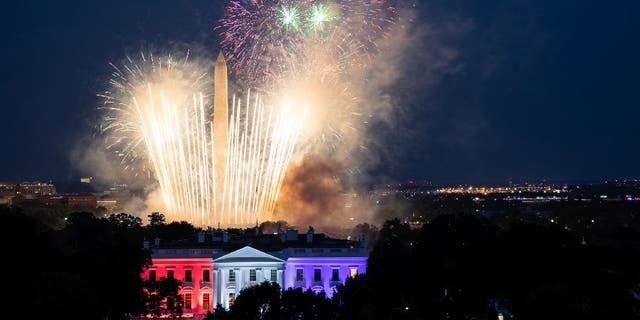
{"x": 196, "y": 275}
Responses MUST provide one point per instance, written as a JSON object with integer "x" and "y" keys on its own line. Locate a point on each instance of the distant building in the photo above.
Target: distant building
{"x": 215, "y": 267}
{"x": 8, "y": 189}
{"x": 12, "y": 192}
{"x": 6, "y": 200}
{"x": 110, "y": 204}
{"x": 34, "y": 190}
{"x": 53, "y": 200}
{"x": 81, "y": 200}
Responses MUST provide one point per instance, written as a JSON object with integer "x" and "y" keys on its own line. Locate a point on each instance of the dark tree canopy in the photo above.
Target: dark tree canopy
{"x": 453, "y": 266}
{"x": 162, "y": 298}
{"x": 261, "y": 301}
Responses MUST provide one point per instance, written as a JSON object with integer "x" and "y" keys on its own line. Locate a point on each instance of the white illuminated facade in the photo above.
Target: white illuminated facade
{"x": 243, "y": 268}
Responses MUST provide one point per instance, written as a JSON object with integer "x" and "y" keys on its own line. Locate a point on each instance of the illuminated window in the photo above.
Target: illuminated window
{"x": 205, "y": 301}
{"x": 187, "y": 300}
{"x": 232, "y": 275}
{"x": 187, "y": 275}
{"x": 252, "y": 275}
{"x": 206, "y": 275}
{"x": 299, "y": 275}
{"x": 317, "y": 275}
{"x": 170, "y": 274}
{"x": 152, "y": 275}
{"x": 232, "y": 299}
{"x": 335, "y": 274}
{"x": 353, "y": 271}
{"x": 274, "y": 275}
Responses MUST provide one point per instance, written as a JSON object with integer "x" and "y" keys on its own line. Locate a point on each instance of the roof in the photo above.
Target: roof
{"x": 247, "y": 254}
{"x": 213, "y": 245}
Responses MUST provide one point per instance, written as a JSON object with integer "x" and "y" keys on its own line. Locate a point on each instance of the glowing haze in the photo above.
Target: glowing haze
{"x": 317, "y": 53}
{"x": 159, "y": 120}
{"x": 308, "y": 59}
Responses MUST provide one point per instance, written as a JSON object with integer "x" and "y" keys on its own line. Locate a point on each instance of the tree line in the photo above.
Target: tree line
{"x": 456, "y": 266}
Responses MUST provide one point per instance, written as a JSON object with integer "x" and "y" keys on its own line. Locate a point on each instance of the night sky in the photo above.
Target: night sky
{"x": 530, "y": 89}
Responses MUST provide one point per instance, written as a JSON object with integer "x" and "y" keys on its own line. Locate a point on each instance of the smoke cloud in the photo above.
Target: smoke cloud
{"x": 314, "y": 195}
{"x": 332, "y": 186}
{"x": 311, "y": 192}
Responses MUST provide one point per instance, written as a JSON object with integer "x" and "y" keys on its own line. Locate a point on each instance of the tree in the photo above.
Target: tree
{"x": 262, "y": 301}
{"x": 366, "y": 231}
{"x": 176, "y": 231}
{"x": 162, "y": 298}
{"x": 156, "y": 219}
{"x": 168, "y": 232}
{"x": 298, "y": 304}
{"x": 124, "y": 220}
{"x": 220, "y": 313}
{"x": 127, "y": 229}
{"x": 271, "y": 227}
{"x": 107, "y": 253}
{"x": 354, "y": 299}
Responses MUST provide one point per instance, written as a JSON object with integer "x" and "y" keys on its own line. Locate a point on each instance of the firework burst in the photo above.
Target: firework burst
{"x": 311, "y": 50}
{"x": 158, "y": 119}
{"x": 263, "y": 38}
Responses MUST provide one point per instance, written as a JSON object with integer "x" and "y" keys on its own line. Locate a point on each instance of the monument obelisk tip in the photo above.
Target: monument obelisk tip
{"x": 221, "y": 58}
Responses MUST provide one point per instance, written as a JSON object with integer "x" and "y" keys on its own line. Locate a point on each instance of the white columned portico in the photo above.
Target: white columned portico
{"x": 243, "y": 268}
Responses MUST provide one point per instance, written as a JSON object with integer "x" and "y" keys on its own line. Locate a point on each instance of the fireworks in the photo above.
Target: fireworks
{"x": 311, "y": 50}
{"x": 150, "y": 81}
{"x": 261, "y": 145}
{"x": 157, "y": 115}
{"x": 289, "y": 16}
{"x": 264, "y": 38}
{"x": 319, "y": 15}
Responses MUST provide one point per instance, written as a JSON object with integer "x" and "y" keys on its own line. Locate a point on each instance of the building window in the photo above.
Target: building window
{"x": 232, "y": 299}
{"x": 152, "y": 275}
{"x": 205, "y": 301}
{"x": 335, "y": 274}
{"x": 252, "y": 275}
{"x": 317, "y": 275}
{"x": 206, "y": 276}
{"x": 232, "y": 275}
{"x": 299, "y": 275}
{"x": 353, "y": 271}
{"x": 274, "y": 275}
{"x": 170, "y": 274}
{"x": 187, "y": 276}
{"x": 187, "y": 300}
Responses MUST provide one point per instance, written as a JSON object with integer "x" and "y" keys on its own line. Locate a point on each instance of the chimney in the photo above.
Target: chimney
{"x": 225, "y": 236}
{"x": 310, "y": 234}
{"x": 201, "y": 236}
{"x": 145, "y": 244}
{"x": 156, "y": 241}
{"x": 361, "y": 243}
{"x": 292, "y": 235}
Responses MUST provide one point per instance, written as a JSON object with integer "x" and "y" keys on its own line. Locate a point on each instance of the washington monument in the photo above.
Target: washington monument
{"x": 220, "y": 123}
